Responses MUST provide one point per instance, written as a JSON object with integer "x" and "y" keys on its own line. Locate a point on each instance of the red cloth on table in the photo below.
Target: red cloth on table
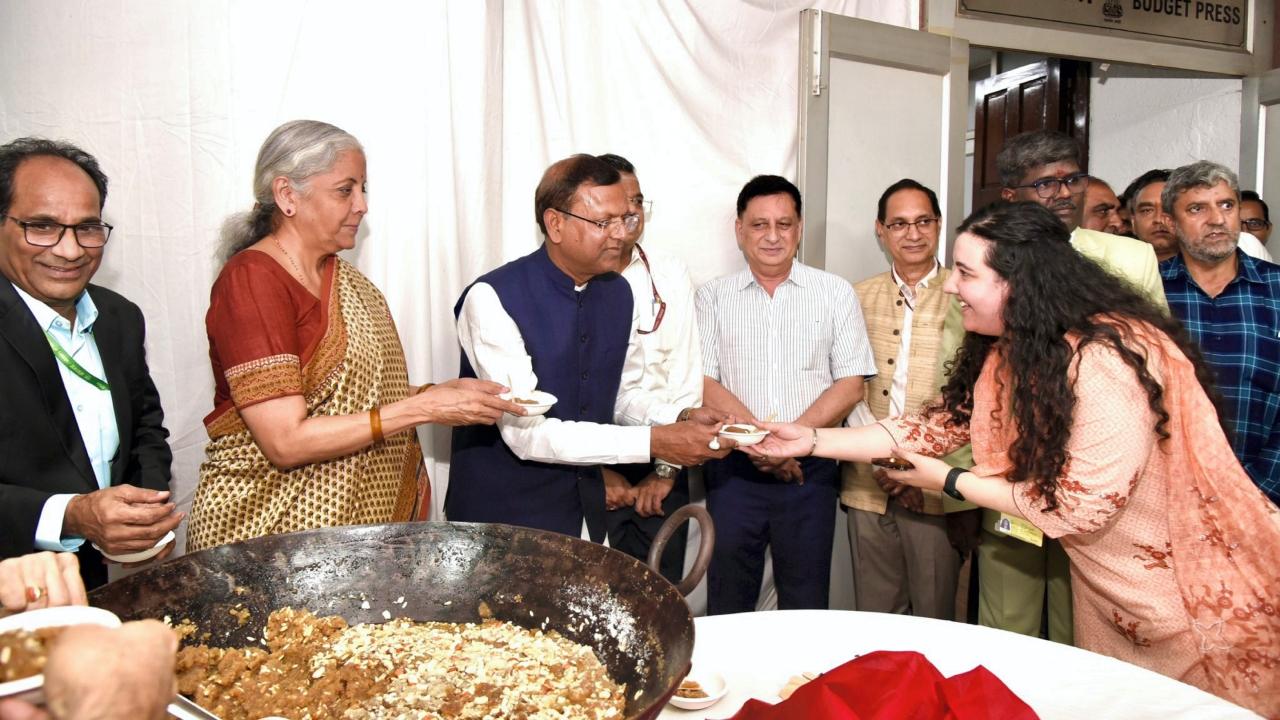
{"x": 888, "y": 685}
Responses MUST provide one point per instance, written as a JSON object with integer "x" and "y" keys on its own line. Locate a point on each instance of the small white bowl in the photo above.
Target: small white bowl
{"x": 542, "y": 401}
{"x": 141, "y": 554}
{"x": 712, "y": 684}
{"x": 28, "y": 688}
{"x": 744, "y": 438}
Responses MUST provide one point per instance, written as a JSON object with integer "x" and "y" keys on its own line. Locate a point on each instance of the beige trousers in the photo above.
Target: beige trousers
{"x": 903, "y": 563}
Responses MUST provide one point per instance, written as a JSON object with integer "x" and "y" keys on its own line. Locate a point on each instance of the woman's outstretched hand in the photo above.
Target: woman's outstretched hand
{"x": 783, "y": 440}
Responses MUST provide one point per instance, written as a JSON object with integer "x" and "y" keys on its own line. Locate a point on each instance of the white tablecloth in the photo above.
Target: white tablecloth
{"x": 757, "y": 653}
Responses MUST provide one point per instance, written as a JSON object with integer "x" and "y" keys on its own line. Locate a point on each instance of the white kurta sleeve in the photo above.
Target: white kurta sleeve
{"x": 494, "y": 346}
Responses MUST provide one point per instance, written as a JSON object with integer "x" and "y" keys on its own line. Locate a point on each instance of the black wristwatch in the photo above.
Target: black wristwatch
{"x": 949, "y": 487}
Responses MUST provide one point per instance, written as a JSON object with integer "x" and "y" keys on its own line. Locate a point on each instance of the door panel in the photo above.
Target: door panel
{"x": 1270, "y": 182}
{"x": 906, "y": 143}
{"x": 1260, "y": 141}
{"x": 877, "y": 103}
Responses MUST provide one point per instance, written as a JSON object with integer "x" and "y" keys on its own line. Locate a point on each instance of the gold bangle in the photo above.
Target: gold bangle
{"x": 375, "y": 424}
{"x": 814, "y": 446}
{"x": 423, "y": 388}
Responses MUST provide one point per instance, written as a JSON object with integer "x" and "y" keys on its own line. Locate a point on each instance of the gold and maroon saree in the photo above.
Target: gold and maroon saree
{"x": 270, "y": 338}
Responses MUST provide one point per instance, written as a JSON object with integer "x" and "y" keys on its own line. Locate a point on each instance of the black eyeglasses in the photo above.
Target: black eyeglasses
{"x": 1253, "y": 224}
{"x": 1048, "y": 187}
{"x": 629, "y": 222}
{"x": 924, "y": 225}
{"x": 47, "y": 233}
{"x": 657, "y": 299}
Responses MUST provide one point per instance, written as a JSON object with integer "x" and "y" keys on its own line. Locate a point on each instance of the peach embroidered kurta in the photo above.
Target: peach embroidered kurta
{"x": 1174, "y": 551}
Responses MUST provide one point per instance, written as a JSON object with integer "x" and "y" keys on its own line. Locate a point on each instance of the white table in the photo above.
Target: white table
{"x": 758, "y": 652}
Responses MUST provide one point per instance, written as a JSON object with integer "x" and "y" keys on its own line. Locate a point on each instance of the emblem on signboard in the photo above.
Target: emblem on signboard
{"x": 1112, "y": 10}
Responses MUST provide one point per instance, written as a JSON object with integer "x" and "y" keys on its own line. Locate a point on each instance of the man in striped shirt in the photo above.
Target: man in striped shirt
{"x": 780, "y": 341}
{"x": 1230, "y": 303}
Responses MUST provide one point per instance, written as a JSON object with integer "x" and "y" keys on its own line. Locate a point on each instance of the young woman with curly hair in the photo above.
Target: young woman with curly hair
{"x": 1091, "y": 416}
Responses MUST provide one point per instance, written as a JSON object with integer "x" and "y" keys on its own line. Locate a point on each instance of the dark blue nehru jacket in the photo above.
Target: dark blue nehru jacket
{"x": 578, "y": 342}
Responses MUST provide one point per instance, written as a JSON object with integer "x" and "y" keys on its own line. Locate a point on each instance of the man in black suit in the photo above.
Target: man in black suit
{"x": 82, "y": 434}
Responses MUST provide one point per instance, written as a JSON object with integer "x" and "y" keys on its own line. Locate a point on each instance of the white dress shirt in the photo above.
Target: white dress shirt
{"x": 779, "y": 353}
{"x": 496, "y": 350}
{"x": 898, "y": 391}
{"x": 94, "y": 412}
{"x": 1253, "y": 247}
{"x": 672, "y": 353}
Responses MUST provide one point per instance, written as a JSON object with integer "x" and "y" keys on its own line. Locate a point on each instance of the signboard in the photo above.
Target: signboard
{"x": 1216, "y": 22}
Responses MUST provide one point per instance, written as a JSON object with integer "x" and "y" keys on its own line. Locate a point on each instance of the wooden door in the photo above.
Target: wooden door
{"x": 1051, "y": 94}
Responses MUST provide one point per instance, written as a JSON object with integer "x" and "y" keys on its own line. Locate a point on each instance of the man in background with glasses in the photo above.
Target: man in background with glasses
{"x": 561, "y": 320}
{"x": 903, "y": 560}
{"x": 1255, "y": 216}
{"x": 638, "y": 496}
{"x": 81, "y": 429}
{"x": 1020, "y": 571}
{"x": 1043, "y": 166}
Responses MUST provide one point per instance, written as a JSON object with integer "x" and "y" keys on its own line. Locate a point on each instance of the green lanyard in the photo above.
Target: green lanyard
{"x": 74, "y": 366}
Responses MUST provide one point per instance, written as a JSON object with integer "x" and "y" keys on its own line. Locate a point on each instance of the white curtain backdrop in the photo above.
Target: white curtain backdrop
{"x": 460, "y": 106}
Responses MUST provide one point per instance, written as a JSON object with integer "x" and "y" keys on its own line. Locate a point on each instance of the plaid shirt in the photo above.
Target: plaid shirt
{"x": 1239, "y": 334}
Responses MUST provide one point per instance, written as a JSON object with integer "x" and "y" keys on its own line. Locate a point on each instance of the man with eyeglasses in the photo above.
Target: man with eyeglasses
{"x": 86, "y": 462}
{"x": 903, "y": 560}
{"x": 1043, "y": 166}
{"x": 1018, "y": 567}
{"x": 780, "y": 341}
{"x": 1230, "y": 304}
{"x": 561, "y": 320}
{"x": 639, "y": 495}
{"x": 1255, "y": 216}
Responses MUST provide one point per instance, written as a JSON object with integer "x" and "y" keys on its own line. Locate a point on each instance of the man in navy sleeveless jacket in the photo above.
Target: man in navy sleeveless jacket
{"x": 562, "y": 321}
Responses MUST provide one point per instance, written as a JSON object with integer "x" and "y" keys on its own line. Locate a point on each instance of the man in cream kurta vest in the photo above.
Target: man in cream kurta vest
{"x": 902, "y": 559}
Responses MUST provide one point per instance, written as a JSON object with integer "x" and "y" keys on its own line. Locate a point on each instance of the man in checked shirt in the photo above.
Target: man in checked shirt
{"x": 780, "y": 341}
{"x": 1230, "y": 303}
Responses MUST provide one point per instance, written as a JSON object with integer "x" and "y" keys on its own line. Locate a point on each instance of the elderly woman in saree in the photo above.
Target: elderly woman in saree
{"x": 1092, "y": 417}
{"x": 313, "y": 420}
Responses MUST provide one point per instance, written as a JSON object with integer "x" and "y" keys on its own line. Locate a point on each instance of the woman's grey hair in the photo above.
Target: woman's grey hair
{"x": 1033, "y": 149}
{"x": 297, "y": 150}
{"x": 1203, "y": 173}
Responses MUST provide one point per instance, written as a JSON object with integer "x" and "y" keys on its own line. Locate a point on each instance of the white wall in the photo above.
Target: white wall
{"x": 460, "y": 105}
{"x": 1142, "y": 118}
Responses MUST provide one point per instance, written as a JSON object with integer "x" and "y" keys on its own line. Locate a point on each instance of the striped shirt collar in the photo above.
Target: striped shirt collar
{"x": 800, "y": 275}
